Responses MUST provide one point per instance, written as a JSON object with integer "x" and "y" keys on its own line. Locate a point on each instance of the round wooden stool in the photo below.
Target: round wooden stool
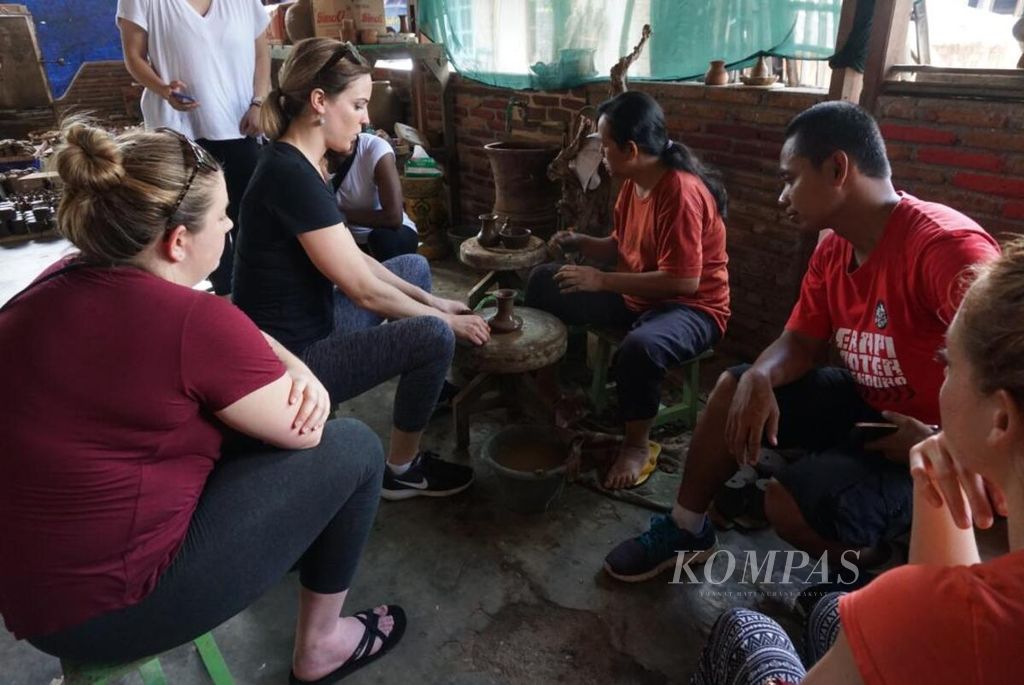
{"x": 501, "y": 363}
{"x": 501, "y": 264}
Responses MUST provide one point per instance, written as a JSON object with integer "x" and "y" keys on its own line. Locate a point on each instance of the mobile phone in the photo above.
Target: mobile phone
{"x": 865, "y": 432}
{"x": 182, "y": 97}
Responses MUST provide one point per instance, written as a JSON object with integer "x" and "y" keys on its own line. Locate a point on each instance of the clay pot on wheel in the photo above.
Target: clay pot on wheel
{"x": 298, "y": 21}
{"x": 716, "y": 75}
{"x": 505, "y": 321}
{"x": 491, "y": 226}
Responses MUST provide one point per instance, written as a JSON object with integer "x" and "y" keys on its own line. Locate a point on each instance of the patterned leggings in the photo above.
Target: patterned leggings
{"x": 748, "y": 648}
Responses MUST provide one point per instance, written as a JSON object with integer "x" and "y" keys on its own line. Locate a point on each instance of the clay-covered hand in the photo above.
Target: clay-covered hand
{"x": 469, "y": 327}
{"x": 179, "y": 87}
{"x": 945, "y": 482}
{"x": 896, "y": 447}
{"x": 450, "y": 306}
{"x": 753, "y": 414}
{"x": 563, "y": 243}
{"x": 249, "y": 126}
{"x": 573, "y": 278}
{"x": 312, "y": 397}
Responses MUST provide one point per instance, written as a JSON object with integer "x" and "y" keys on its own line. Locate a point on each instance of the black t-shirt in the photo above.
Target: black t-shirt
{"x": 275, "y": 282}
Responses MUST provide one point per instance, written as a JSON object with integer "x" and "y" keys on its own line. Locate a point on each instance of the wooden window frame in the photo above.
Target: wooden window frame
{"x": 883, "y": 74}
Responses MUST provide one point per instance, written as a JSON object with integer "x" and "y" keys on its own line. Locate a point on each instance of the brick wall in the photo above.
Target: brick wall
{"x": 101, "y": 89}
{"x": 966, "y": 154}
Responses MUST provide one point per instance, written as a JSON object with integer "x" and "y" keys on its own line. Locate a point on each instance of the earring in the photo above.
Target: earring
{"x": 320, "y": 120}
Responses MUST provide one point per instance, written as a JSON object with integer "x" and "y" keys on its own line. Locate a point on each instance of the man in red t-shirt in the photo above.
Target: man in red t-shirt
{"x": 882, "y": 286}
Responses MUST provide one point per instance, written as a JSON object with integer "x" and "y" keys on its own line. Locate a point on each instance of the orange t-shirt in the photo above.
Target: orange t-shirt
{"x": 962, "y": 625}
{"x": 675, "y": 229}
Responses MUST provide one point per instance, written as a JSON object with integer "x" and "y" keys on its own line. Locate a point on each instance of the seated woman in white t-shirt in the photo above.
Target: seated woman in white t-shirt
{"x": 369, "y": 194}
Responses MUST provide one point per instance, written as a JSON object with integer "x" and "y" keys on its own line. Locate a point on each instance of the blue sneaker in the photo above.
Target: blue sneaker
{"x": 644, "y": 557}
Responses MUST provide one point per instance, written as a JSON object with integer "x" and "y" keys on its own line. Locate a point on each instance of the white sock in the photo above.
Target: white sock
{"x": 399, "y": 469}
{"x": 687, "y": 520}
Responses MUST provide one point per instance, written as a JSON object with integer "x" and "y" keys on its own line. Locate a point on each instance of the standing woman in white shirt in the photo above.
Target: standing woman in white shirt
{"x": 205, "y": 65}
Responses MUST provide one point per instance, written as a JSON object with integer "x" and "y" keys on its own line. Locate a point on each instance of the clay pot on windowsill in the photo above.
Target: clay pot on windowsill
{"x": 716, "y": 75}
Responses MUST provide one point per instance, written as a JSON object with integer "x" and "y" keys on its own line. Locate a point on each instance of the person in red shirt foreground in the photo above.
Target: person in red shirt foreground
{"x": 945, "y": 618}
{"x": 881, "y": 287}
{"x": 669, "y": 286}
{"x": 126, "y": 527}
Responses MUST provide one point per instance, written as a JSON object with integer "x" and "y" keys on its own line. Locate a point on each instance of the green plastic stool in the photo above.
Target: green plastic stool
{"x": 76, "y": 673}
{"x": 684, "y": 411}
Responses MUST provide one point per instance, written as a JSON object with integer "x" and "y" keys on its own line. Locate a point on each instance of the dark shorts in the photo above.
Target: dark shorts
{"x": 846, "y": 494}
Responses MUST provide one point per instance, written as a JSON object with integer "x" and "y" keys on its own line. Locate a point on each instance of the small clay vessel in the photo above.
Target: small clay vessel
{"x": 490, "y": 229}
{"x": 515, "y": 238}
{"x": 716, "y": 74}
{"x": 505, "y": 321}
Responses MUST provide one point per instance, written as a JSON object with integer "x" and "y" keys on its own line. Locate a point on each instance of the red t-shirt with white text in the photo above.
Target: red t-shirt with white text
{"x": 888, "y": 316}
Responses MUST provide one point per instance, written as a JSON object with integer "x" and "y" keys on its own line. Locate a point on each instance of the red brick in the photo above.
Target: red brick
{"x": 747, "y": 96}
{"x": 546, "y": 100}
{"x": 702, "y": 142}
{"x": 993, "y": 140}
{"x": 794, "y": 102}
{"x": 763, "y": 115}
{"x": 897, "y": 108}
{"x": 758, "y": 149}
{"x": 573, "y": 104}
{"x": 957, "y": 158}
{"x": 733, "y": 131}
{"x": 1013, "y": 210}
{"x": 917, "y": 134}
{"x": 985, "y": 116}
{"x": 908, "y": 171}
{"x": 998, "y": 185}
{"x": 896, "y": 151}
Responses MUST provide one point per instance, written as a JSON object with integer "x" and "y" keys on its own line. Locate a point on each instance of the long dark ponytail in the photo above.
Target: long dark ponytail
{"x": 635, "y": 116}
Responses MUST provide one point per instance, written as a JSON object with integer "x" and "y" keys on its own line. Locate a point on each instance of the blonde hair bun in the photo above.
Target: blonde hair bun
{"x": 90, "y": 159}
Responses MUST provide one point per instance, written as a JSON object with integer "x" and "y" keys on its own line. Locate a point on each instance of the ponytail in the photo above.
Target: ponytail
{"x": 678, "y": 156}
{"x": 635, "y": 117}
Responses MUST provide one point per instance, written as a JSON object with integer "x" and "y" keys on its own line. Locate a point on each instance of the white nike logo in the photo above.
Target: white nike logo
{"x": 422, "y": 484}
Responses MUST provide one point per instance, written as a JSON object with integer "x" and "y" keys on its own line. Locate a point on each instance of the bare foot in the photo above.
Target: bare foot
{"x": 317, "y": 658}
{"x": 627, "y": 467}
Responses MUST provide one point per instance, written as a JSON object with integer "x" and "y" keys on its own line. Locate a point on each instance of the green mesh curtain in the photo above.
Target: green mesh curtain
{"x": 550, "y": 44}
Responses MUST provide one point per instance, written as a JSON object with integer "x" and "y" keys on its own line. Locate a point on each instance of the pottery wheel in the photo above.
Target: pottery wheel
{"x": 540, "y": 342}
{"x": 500, "y": 258}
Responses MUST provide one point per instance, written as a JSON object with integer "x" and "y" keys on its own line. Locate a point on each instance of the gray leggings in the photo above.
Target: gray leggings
{"x": 262, "y": 512}
{"x": 363, "y": 352}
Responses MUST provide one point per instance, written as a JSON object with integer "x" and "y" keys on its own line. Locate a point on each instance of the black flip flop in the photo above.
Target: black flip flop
{"x": 361, "y": 656}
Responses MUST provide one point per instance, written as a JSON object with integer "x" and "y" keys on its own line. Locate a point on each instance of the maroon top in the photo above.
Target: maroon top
{"x": 110, "y": 379}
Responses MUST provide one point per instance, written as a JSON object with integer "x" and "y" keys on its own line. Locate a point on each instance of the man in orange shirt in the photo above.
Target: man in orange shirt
{"x": 669, "y": 287}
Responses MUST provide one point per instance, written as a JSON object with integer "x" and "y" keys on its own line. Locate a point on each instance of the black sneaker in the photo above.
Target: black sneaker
{"x": 428, "y": 476}
{"x": 644, "y": 557}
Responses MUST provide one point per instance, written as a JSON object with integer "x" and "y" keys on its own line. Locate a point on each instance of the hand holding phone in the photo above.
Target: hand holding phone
{"x": 868, "y": 431}
{"x": 182, "y": 97}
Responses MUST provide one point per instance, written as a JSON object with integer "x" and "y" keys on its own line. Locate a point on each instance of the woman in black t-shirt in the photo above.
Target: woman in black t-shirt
{"x": 302, "y": 278}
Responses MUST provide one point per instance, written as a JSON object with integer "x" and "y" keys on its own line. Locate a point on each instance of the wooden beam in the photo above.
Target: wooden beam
{"x": 886, "y": 46}
{"x": 846, "y": 83}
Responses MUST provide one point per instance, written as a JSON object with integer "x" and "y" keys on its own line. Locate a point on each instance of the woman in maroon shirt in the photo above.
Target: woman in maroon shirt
{"x": 127, "y": 526}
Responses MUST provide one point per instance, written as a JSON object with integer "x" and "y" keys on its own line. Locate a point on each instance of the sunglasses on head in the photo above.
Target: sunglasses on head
{"x": 195, "y": 157}
{"x": 344, "y": 51}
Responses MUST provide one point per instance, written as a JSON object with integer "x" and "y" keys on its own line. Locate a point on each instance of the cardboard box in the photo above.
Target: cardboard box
{"x": 328, "y": 15}
{"x": 42, "y": 180}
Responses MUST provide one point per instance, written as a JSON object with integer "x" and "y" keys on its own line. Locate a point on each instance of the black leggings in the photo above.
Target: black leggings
{"x": 385, "y": 243}
{"x": 260, "y": 514}
{"x": 238, "y": 159}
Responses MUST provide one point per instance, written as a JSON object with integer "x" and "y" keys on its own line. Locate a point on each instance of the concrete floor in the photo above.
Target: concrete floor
{"x": 492, "y": 596}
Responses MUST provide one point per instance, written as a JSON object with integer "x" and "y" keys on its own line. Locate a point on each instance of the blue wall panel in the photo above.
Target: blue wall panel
{"x": 77, "y": 31}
